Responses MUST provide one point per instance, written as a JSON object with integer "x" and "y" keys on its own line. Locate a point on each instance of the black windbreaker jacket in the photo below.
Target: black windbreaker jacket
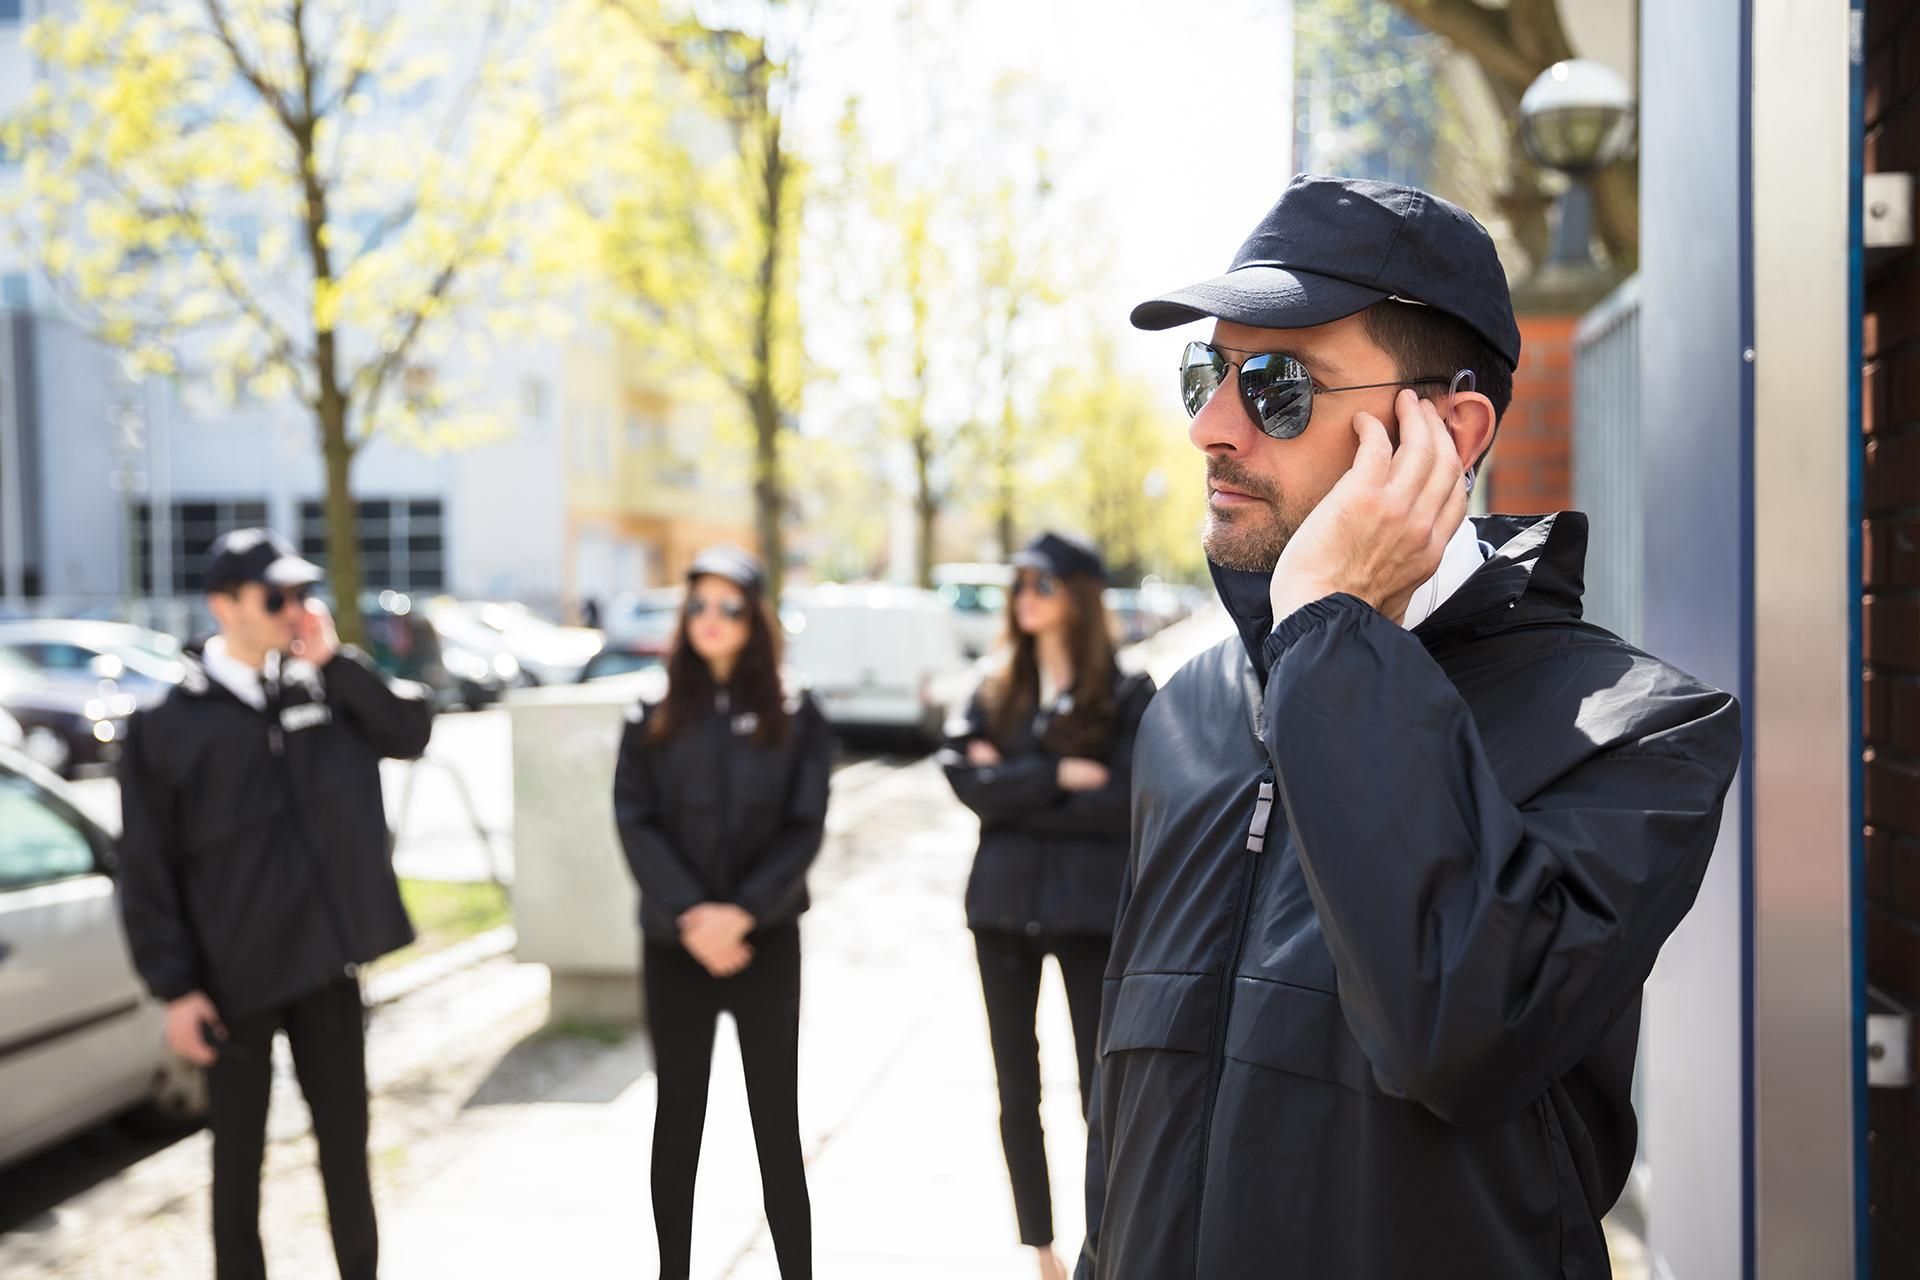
{"x": 255, "y": 863}
{"x": 1050, "y": 861}
{"x": 1375, "y": 989}
{"x": 711, "y": 816}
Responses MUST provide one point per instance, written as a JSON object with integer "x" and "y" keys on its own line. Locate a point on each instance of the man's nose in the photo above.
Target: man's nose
{"x": 1222, "y": 425}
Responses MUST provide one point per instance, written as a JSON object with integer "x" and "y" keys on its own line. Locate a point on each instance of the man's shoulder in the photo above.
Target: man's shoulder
{"x": 1606, "y": 689}
{"x": 1206, "y": 684}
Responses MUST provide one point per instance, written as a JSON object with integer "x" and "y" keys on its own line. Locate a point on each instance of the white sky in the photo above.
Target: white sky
{"x": 1190, "y": 103}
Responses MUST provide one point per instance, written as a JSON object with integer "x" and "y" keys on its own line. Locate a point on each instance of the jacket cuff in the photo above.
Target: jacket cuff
{"x": 1306, "y": 618}
{"x": 172, "y": 988}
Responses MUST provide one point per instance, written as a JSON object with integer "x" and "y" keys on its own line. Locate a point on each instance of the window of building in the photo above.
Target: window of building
{"x": 193, "y": 525}
{"x": 402, "y": 542}
{"x": 10, "y": 10}
{"x": 14, "y": 289}
{"x": 533, "y": 401}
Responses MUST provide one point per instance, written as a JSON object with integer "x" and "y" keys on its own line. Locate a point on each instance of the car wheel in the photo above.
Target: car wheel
{"x": 48, "y": 749}
{"x": 178, "y": 1103}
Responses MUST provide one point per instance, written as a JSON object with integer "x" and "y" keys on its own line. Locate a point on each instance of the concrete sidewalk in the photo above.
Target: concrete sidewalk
{"x": 898, "y": 1104}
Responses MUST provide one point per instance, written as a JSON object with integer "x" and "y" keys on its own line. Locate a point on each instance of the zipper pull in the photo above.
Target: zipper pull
{"x": 1262, "y": 814}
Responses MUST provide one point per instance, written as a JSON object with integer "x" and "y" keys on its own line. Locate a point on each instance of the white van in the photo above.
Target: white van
{"x": 977, "y": 595}
{"x": 878, "y": 657}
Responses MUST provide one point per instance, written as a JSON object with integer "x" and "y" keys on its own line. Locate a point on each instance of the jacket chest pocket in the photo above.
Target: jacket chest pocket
{"x": 1284, "y": 942}
{"x": 1297, "y": 1030}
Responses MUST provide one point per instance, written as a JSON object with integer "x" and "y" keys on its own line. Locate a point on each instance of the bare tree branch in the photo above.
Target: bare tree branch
{"x": 246, "y": 70}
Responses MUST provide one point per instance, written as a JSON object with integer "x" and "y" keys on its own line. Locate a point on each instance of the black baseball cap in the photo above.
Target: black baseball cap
{"x": 1061, "y": 556}
{"x": 1331, "y": 247}
{"x": 739, "y": 567}
{"x": 257, "y": 555}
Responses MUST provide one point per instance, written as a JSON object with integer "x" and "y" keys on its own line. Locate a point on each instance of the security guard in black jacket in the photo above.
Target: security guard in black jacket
{"x": 1405, "y": 849}
{"x": 720, "y": 796}
{"x": 255, "y": 877}
{"x": 1044, "y": 756}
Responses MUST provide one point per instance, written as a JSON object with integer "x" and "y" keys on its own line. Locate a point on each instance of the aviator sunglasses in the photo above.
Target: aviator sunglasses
{"x": 1276, "y": 388}
{"x": 731, "y": 610}
{"x": 279, "y": 598}
{"x": 1043, "y": 585}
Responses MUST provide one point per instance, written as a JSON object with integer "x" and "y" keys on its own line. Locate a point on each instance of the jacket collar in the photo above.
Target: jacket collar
{"x": 1537, "y": 570}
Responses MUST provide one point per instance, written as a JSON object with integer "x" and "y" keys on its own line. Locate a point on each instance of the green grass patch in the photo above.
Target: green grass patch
{"x": 445, "y": 912}
{"x": 604, "y": 1033}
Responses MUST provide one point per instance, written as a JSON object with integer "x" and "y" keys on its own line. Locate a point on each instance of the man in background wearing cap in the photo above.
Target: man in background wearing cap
{"x": 255, "y": 877}
{"x": 1406, "y": 848}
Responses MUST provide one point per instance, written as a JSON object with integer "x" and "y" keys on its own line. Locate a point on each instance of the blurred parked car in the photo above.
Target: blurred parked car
{"x": 878, "y": 657}
{"x": 404, "y": 644}
{"x": 1134, "y": 620}
{"x": 80, "y": 1040}
{"x": 977, "y": 594}
{"x": 65, "y": 725}
{"x": 622, "y": 660}
{"x": 1163, "y": 603}
{"x": 649, "y": 616}
{"x": 137, "y": 661}
{"x": 522, "y": 646}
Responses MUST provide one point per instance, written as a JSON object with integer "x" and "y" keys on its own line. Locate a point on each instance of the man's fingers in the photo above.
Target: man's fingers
{"x": 1414, "y": 460}
{"x": 1375, "y": 456}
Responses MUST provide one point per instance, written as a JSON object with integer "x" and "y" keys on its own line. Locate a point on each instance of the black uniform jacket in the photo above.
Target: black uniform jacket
{"x": 711, "y": 816}
{"x": 1050, "y": 861}
{"x": 255, "y": 859}
{"x": 1375, "y": 990}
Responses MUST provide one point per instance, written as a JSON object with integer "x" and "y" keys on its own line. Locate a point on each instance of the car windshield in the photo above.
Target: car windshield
{"x": 621, "y": 663}
{"x": 974, "y": 597}
{"x": 13, "y": 667}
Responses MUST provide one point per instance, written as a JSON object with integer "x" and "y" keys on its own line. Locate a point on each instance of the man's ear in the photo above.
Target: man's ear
{"x": 1470, "y": 421}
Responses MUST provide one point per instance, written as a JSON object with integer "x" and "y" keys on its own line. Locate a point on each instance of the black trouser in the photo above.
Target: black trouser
{"x": 327, "y": 1031}
{"x": 683, "y": 1003}
{"x": 1010, "y": 967}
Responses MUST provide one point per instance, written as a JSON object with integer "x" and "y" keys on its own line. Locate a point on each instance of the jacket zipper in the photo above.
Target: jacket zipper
{"x": 1256, "y": 844}
{"x": 336, "y": 921}
{"x": 723, "y": 767}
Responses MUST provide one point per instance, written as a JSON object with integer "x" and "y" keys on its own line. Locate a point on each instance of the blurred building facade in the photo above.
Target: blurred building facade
{"x": 587, "y": 482}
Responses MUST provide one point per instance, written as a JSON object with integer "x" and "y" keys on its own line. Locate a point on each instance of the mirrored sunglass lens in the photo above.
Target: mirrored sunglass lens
{"x": 1279, "y": 392}
{"x": 1201, "y": 370}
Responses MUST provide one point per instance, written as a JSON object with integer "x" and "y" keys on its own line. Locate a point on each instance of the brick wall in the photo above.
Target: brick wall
{"x": 1891, "y": 630}
{"x": 1532, "y": 469}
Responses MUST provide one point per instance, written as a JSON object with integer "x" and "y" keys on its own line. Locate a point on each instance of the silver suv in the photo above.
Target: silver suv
{"x": 80, "y": 1039}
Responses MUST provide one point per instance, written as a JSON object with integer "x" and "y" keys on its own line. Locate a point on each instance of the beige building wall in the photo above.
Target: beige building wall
{"x": 650, "y": 480}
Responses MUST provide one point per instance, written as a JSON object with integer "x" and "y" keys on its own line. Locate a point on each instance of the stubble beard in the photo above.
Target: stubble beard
{"x": 1247, "y": 538}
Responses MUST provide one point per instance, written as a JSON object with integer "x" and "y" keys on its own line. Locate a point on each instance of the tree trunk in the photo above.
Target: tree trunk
{"x": 1003, "y": 512}
{"x": 343, "y": 525}
{"x": 763, "y": 401}
{"x": 926, "y": 504}
{"x": 1005, "y": 516}
{"x": 330, "y": 404}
